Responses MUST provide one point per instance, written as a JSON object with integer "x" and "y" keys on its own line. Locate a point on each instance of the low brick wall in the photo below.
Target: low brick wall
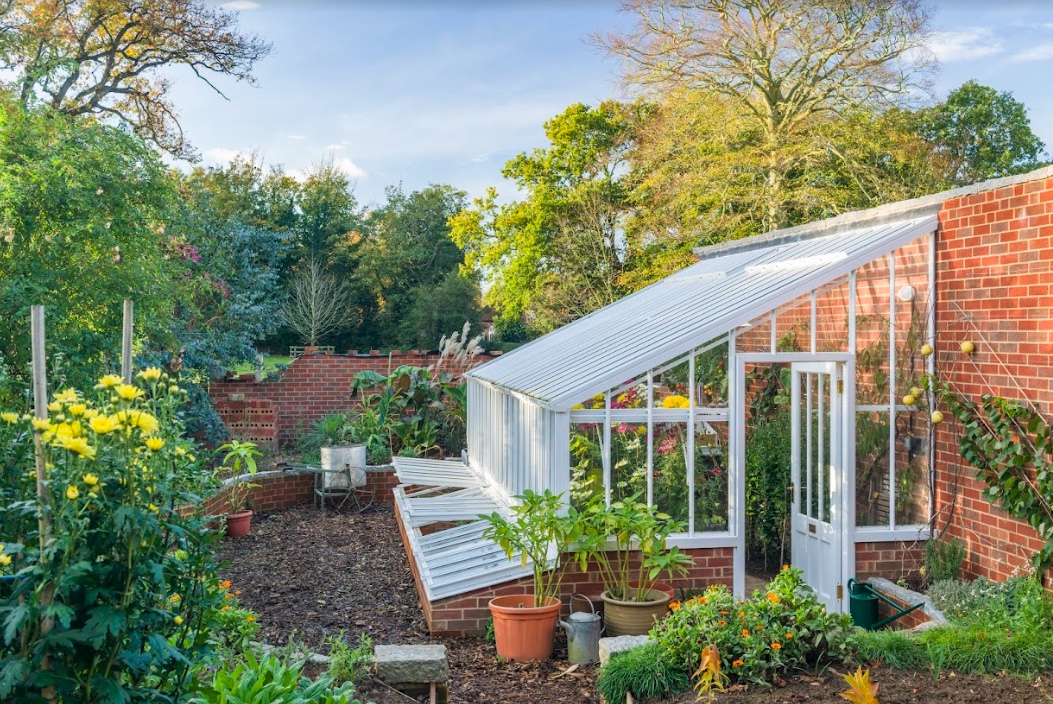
{"x": 891, "y": 560}
{"x": 280, "y": 489}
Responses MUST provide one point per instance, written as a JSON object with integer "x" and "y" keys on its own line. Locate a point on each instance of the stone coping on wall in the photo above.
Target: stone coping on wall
{"x": 909, "y": 597}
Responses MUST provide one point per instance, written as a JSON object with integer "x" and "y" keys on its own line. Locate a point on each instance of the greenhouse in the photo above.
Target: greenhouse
{"x": 804, "y": 342}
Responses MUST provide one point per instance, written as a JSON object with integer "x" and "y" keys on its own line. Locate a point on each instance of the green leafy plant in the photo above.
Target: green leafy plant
{"x": 897, "y": 649}
{"x": 644, "y": 672}
{"x": 233, "y": 627}
{"x": 112, "y": 598}
{"x": 347, "y": 664}
{"x": 943, "y": 559}
{"x": 240, "y": 459}
{"x": 979, "y": 649}
{"x": 781, "y": 629}
{"x": 272, "y": 679}
{"x": 540, "y": 529}
{"x": 640, "y": 553}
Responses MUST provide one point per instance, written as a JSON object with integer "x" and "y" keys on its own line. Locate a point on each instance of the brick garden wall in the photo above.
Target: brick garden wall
{"x": 995, "y": 254}
{"x": 278, "y": 490}
{"x": 275, "y": 412}
{"x": 890, "y": 560}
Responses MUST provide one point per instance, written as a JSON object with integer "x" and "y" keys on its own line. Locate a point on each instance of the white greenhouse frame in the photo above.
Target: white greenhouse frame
{"x": 521, "y": 404}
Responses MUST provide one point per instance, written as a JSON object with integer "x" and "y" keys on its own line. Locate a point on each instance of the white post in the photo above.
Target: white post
{"x": 126, "y": 342}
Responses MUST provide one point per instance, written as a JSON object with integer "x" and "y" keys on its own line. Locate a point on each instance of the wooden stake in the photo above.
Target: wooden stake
{"x": 126, "y": 342}
{"x": 40, "y": 409}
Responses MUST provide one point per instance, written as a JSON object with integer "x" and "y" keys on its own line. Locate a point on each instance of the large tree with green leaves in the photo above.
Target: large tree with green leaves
{"x": 112, "y": 58}
{"x": 776, "y": 69}
{"x": 981, "y": 133}
{"x": 559, "y": 252}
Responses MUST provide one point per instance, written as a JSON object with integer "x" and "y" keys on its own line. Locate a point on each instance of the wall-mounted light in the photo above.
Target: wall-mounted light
{"x": 906, "y": 294}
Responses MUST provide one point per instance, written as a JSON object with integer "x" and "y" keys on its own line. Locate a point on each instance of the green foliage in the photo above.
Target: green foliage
{"x": 272, "y": 679}
{"x": 1009, "y": 445}
{"x": 982, "y": 134}
{"x": 347, "y": 664}
{"x": 540, "y": 528}
{"x": 414, "y": 412}
{"x": 233, "y": 627}
{"x": 1019, "y": 603}
{"x": 240, "y": 459}
{"x": 115, "y": 600}
{"x": 978, "y": 649}
{"x": 767, "y": 482}
{"x": 640, "y": 555}
{"x": 943, "y": 559}
{"x": 644, "y": 672}
{"x": 490, "y": 636}
{"x": 896, "y": 649}
{"x": 436, "y": 310}
{"x": 782, "y": 629}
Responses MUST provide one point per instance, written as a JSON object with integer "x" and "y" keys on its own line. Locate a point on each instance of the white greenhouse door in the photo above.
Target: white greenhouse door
{"x": 817, "y": 474}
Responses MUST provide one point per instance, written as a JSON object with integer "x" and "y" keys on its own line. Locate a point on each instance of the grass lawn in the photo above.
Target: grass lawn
{"x": 270, "y": 363}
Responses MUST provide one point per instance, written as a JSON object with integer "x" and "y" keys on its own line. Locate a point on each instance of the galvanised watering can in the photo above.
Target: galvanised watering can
{"x": 583, "y": 633}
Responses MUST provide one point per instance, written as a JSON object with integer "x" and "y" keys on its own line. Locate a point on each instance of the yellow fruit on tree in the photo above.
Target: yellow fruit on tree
{"x": 937, "y": 417}
{"x": 967, "y": 347}
{"x": 926, "y": 349}
{"x": 915, "y": 391}
{"x": 909, "y": 400}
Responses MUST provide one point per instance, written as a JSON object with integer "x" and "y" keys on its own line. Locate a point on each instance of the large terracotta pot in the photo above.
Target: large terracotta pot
{"x": 660, "y": 586}
{"x": 633, "y": 618}
{"x": 238, "y": 524}
{"x": 523, "y": 631}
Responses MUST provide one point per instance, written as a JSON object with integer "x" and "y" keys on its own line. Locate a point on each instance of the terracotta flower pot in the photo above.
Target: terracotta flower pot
{"x": 659, "y": 586}
{"x": 523, "y": 631}
{"x": 633, "y": 618}
{"x": 238, "y": 524}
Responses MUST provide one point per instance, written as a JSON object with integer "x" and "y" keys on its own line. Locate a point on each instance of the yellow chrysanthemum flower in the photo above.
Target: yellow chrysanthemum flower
{"x": 180, "y": 451}
{"x": 102, "y": 425}
{"x": 109, "y": 381}
{"x": 90, "y": 479}
{"x": 178, "y": 620}
{"x": 128, "y": 392}
{"x": 155, "y": 444}
{"x": 66, "y": 396}
{"x": 675, "y": 401}
{"x": 9, "y": 418}
{"x": 77, "y": 409}
{"x": 41, "y": 423}
{"x": 153, "y": 508}
{"x": 54, "y": 406}
{"x": 78, "y": 446}
{"x": 147, "y": 423}
{"x": 68, "y": 430}
{"x": 72, "y": 492}
{"x": 150, "y": 374}
{"x": 91, "y": 413}
{"x": 5, "y": 560}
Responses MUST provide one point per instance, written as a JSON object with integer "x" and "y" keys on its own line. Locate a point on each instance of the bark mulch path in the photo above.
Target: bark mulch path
{"x": 313, "y": 573}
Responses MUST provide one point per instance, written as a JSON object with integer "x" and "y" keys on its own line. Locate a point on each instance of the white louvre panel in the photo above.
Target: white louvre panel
{"x": 672, "y": 316}
{"x": 424, "y": 472}
{"x": 458, "y": 560}
{"x": 432, "y": 506}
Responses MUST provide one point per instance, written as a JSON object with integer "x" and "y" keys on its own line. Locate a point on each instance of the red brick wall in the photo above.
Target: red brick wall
{"x": 995, "y": 288}
{"x": 294, "y": 489}
{"x": 890, "y": 560}
{"x": 312, "y": 386}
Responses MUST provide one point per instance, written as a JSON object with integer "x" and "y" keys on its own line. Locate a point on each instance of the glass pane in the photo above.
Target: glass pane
{"x": 711, "y": 477}
{"x": 912, "y": 468}
{"x": 711, "y": 378}
{"x": 872, "y": 491}
{"x": 912, "y": 276}
{"x": 670, "y": 469}
{"x": 671, "y": 387}
{"x": 755, "y": 338}
{"x": 628, "y": 460}
{"x": 793, "y": 326}
{"x": 832, "y": 319}
{"x": 815, "y": 442}
{"x": 586, "y": 462}
{"x": 872, "y": 310}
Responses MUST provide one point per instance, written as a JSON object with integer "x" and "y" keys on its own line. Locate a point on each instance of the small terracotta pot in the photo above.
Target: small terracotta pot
{"x": 523, "y": 631}
{"x": 238, "y": 524}
{"x": 633, "y": 618}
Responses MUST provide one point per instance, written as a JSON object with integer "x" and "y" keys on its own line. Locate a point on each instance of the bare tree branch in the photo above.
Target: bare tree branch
{"x": 317, "y": 305}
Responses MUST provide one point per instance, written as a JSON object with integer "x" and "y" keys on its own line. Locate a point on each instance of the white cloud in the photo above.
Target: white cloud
{"x": 295, "y": 136}
{"x": 966, "y": 44}
{"x": 349, "y": 167}
{"x": 1042, "y": 52}
{"x": 222, "y": 155}
{"x": 480, "y": 158}
{"x": 240, "y": 5}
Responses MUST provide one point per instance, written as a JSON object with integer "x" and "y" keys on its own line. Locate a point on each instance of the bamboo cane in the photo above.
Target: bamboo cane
{"x": 40, "y": 409}
{"x": 126, "y": 342}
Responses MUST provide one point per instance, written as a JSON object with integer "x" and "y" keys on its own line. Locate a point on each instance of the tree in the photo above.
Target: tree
{"x": 317, "y": 305}
{"x": 111, "y": 57}
{"x": 439, "y": 310}
{"x": 558, "y": 253}
{"x": 244, "y": 190}
{"x": 328, "y": 212}
{"x": 778, "y": 65}
{"x": 982, "y": 133}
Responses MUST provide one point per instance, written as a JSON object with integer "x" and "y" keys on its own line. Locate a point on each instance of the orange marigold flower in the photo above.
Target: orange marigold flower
{"x": 737, "y": 663}
{"x": 675, "y": 605}
{"x": 776, "y": 646}
{"x": 745, "y": 633}
{"x": 723, "y": 613}
{"x": 742, "y": 614}
{"x": 224, "y": 584}
{"x": 250, "y": 618}
{"x": 789, "y": 636}
{"x": 773, "y": 598}
{"x": 703, "y": 599}
{"x": 722, "y": 623}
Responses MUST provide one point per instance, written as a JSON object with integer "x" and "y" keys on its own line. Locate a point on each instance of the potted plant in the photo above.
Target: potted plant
{"x": 240, "y": 458}
{"x": 628, "y": 542}
{"x": 539, "y": 530}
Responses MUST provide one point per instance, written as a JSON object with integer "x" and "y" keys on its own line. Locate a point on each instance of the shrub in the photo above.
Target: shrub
{"x": 347, "y": 664}
{"x": 233, "y": 627}
{"x": 943, "y": 559}
{"x": 116, "y": 605}
{"x": 645, "y": 672}
{"x": 1018, "y": 603}
{"x": 272, "y": 679}
{"x": 897, "y": 649}
{"x": 782, "y": 629}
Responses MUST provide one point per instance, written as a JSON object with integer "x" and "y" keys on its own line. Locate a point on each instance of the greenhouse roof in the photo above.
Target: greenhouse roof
{"x": 729, "y": 287}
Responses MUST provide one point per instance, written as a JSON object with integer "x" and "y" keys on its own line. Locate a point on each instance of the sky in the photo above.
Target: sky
{"x": 446, "y": 91}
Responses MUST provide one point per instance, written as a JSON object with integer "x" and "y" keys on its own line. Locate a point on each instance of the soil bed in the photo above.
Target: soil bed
{"x": 314, "y": 573}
